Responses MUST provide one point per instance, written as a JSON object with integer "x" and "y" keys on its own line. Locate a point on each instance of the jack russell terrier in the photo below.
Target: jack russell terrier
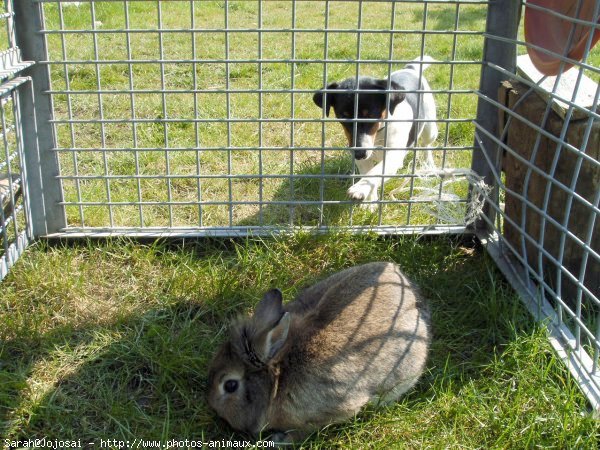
{"x": 379, "y": 147}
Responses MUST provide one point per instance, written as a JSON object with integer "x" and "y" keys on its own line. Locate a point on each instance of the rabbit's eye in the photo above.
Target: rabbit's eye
{"x": 231, "y": 386}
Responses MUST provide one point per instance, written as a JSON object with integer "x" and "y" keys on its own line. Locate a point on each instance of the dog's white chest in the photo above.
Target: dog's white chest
{"x": 395, "y": 134}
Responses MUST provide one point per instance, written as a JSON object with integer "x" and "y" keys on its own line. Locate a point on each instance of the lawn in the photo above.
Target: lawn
{"x": 112, "y": 339}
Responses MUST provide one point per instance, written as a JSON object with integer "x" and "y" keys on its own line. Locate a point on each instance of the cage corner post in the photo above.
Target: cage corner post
{"x": 47, "y": 214}
{"x": 502, "y": 26}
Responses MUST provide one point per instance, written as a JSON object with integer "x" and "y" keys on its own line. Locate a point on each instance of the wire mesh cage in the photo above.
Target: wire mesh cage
{"x": 198, "y": 118}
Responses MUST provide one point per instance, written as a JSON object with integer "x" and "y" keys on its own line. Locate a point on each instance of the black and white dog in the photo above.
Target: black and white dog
{"x": 375, "y": 138}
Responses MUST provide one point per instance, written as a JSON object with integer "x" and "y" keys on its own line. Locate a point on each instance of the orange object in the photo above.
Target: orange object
{"x": 554, "y": 33}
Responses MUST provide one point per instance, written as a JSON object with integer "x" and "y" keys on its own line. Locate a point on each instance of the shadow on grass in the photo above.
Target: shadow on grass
{"x": 315, "y": 195}
{"x": 144, "y": 376}
{"x": 448, "y": 17}
{"x": 147, "y": 381}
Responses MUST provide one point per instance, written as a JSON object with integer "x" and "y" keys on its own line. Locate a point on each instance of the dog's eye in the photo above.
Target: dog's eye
{"x": 231, "y": 386}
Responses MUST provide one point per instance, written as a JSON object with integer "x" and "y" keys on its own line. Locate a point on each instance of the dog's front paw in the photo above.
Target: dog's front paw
{"x": 365, "y": 194}
{"x": 359, "y": 192}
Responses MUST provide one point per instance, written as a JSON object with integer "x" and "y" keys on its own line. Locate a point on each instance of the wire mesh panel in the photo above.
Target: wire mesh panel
{"x": 15, "y": 230}
{"x": 543, "y": 217}
{"x": 197, "y": 117}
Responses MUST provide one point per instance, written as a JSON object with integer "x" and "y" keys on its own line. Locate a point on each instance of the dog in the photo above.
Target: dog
{"x": 383, "y": 128}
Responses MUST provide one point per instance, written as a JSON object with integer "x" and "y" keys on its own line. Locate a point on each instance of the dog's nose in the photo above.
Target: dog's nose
{"x": 360, "y": 154}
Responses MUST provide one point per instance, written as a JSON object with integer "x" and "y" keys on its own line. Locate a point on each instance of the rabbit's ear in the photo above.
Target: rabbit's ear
{"x": 270, "y": 308}
{"x": 258, "y": 339}
{"x": 276, "y": 337}
{"x": 274, "y": 324}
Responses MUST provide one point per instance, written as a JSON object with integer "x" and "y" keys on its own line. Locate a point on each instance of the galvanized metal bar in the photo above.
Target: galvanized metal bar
{"x": 101, "y": 113}
{"x": 46, "y": 194}
{"x": 502, "y": 20}
{"x": 116, "y": 62}
{"x": 27, "y": 232}
{"x": 243, "y": 176}
{"x": 245, "y": 231}
{"x": 387, "y": 107}
{"x": 132, "y": 106}
{"x": 196, "y": 113}
{"x": 8, "y": 15}
{"x": 468, "y": 92}
{"x": 260, "y": 112}
{"x": 292, "y": 114}
{"x": 468, "y": 2}
{"x": 228, "y": 106}
{"x": 324, "y": 116}
{"x": 300, "y": 148}
{"x": 413, "y": 167}
{"x": 74, "y": 158}
{"x": 449, "y": 99}
{"x": 223, "y": 148}
{"x": 282, "y": 30}
{"x": 11, "y": 178}
{"x": 244, "y": 120}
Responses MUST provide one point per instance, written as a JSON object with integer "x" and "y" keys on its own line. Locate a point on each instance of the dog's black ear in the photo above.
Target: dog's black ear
{"x": 324, "y": 100}
{"x": 395, "y": 97}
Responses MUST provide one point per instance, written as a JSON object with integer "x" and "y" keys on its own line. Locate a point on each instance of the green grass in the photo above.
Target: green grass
{"x": 112, "y": 340}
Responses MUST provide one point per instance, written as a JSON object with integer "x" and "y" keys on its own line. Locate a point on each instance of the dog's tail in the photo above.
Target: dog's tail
{"x": 424, "y": 62}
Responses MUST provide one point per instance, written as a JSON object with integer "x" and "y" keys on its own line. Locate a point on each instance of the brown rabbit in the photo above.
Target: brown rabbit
{"x": 359, "y": 336}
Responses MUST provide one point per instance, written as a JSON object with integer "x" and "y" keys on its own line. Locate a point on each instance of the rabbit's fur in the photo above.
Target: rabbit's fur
{"x": 359, "y": 336}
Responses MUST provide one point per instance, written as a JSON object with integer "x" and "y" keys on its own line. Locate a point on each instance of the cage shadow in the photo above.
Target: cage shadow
{"x": 314, "y": 195}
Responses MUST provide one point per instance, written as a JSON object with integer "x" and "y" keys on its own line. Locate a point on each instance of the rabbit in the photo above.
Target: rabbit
{"x": 360, "y": 336}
